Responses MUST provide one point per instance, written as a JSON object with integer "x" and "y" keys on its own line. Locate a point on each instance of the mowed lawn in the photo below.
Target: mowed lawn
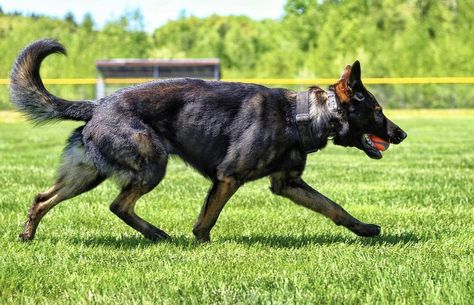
{"x": 265, "y": 249}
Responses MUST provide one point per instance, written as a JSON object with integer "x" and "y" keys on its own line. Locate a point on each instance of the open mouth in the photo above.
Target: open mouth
{"x": 373, "y": 145}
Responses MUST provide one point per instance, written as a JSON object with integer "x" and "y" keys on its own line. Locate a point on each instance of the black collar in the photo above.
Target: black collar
{"x": 303, "y": 119}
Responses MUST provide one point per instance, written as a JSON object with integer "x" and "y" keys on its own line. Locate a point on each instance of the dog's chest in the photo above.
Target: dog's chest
{"x": 275, "y": 160}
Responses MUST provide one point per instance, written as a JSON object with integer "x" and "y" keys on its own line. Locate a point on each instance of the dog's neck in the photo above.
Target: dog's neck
{"x": 319, "y": 116}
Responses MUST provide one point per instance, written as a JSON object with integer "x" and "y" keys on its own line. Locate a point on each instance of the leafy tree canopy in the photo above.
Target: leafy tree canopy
{"x": 314, "y": 38}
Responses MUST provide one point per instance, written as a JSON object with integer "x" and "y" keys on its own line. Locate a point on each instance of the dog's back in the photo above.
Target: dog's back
{"x": 202, "y": 121}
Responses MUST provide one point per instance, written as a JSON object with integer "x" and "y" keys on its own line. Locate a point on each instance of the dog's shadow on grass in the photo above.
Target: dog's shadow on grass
{"x": 282, "y": 241}
{"x": 132, "y": 242}
{"x": 273, "y": 241}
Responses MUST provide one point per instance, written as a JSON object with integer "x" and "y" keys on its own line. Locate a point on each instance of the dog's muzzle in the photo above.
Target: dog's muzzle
{"x": 398, "y": 136}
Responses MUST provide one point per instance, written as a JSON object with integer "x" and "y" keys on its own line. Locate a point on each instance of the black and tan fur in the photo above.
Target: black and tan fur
{"x": 231, "y": 133}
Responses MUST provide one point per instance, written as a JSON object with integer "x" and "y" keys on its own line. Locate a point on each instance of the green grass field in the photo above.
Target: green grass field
{"x": 265, "y": 249}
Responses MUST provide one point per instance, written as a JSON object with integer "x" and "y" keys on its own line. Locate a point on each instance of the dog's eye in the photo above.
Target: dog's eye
{"x": 378, "y": 113}
{"x": 359, "y": 96}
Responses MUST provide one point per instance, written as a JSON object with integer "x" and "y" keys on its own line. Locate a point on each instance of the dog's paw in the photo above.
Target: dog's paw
{"x": 202, "y": 237}
{"x": 28, "y": 233}
{"x": 365, "y": 230}
{"x": 156, "y": 235}
{"x": 25, "y": 236}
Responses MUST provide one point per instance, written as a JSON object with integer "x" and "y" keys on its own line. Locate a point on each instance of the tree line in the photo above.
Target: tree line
{"x": 313, "y": 38}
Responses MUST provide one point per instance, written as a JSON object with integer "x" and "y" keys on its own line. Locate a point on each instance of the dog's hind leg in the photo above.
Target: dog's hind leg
{"x": 137, "y": 184}
{"x": 217, "y": 197}
{"x": 138, "y": 159}
{"x": 77, "y": 175}
{"x": 301, "y": 193}
{"x": 123, "y": 206}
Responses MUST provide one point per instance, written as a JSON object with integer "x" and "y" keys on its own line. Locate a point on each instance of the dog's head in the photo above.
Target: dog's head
{"x": 364, "y": 115}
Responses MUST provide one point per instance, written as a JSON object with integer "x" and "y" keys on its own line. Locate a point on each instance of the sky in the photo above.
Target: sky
{"x": 155, "y": 12}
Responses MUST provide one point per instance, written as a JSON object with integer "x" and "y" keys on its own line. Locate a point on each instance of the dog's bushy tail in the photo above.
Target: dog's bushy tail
{"x": 27, "y": 91}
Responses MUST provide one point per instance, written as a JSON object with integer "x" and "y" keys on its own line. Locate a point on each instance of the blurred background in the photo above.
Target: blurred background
{"x": 285, "y": 40}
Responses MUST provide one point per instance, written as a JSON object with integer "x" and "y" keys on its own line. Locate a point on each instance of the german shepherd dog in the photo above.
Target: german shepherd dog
{"x": 230, "y": 132}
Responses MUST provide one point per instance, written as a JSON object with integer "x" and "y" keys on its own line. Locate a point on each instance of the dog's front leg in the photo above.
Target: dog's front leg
{"x": 301, "y": 193}
{"x": 217, "y": 197}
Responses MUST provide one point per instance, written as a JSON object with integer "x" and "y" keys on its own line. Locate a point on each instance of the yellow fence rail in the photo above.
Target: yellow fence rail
{"x": 270, "y": 81}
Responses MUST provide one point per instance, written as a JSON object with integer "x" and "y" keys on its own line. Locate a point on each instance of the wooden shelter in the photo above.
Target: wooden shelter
{"x": 129, "y": 69}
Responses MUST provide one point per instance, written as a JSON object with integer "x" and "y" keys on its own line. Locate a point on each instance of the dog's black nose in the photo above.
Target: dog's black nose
{"x": 397, "y": 136}
{"x": 401, "y": 134}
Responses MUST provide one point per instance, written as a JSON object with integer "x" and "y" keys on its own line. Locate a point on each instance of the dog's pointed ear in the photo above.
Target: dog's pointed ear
{"x": 354, "y": 77}
{"x": 341, "y": 88}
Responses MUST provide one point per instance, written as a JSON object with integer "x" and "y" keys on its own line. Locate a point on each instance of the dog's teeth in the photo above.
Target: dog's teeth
{"x": 368, "y": 141}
